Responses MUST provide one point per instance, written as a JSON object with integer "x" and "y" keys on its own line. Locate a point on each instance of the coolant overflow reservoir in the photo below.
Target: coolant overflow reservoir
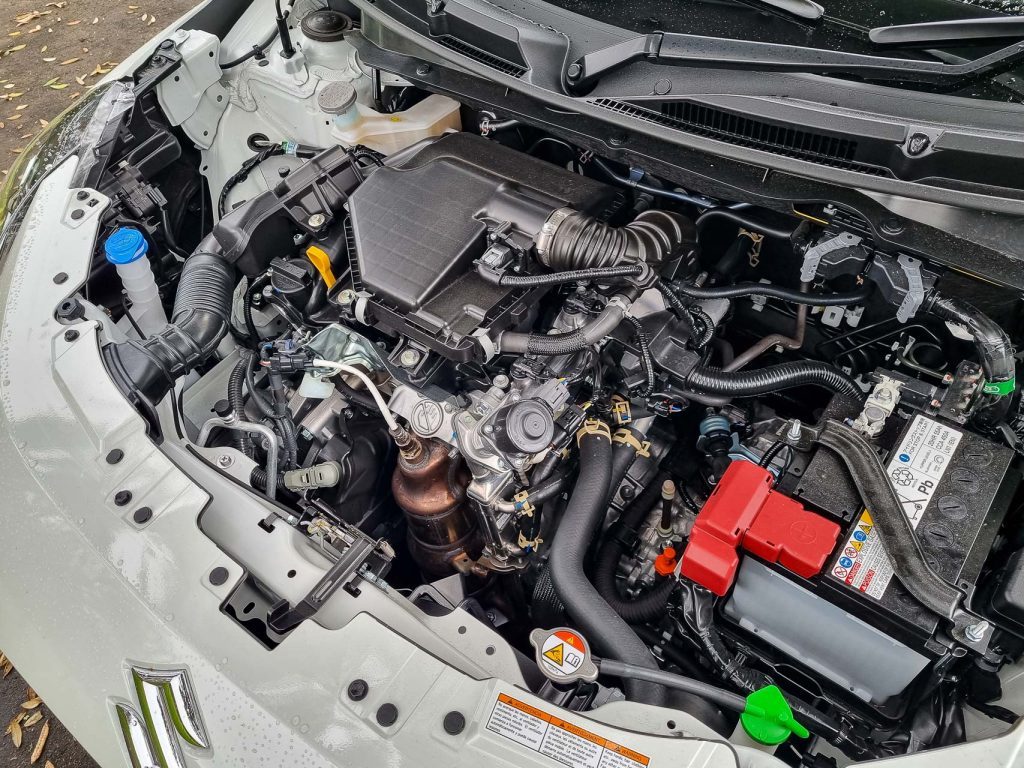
{"x": 356, "y": 123}
{"x": 126, "y": 249}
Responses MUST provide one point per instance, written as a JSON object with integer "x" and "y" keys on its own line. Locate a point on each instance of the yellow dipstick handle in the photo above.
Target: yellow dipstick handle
{"x": 322, "y": 262}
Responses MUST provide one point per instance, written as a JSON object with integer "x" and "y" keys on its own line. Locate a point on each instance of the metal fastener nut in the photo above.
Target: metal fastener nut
{"x": 409, "y": 358}
{"x": 358, "y": 689}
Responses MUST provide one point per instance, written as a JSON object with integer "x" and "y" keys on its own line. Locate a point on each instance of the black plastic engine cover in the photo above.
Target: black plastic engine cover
{"x": 418, "y": 224}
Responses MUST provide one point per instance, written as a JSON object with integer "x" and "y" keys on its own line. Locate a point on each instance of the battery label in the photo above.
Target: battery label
{"x": 917, "y": 466}
{"x": 557, "y": 739}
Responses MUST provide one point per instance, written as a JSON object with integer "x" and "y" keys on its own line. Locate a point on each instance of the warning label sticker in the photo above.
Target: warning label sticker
{"x": 917, "y": 466}
{"x": 561, "y": 741}
{"x": 563, "y": 652}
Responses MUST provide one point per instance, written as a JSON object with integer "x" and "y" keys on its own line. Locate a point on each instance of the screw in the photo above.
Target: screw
{"x": 347, "y": 296}
{"x": 358, "y": 689}
{"x": 218, "y": 576}
{"x": 488, "y": 429}
{"x": 60, "y": 277}
{"x": 454, "y": 723}
{"x": 409, "y": 358}
{"x": 423, "y": 69}
{"x": 501, "y": 381}
{"x": 574, "y": 71}
{"x": 142, "y": 515}
{"x": 794, "y": 430}
{"x": 617, "y": 139}
{"x": 892, "y": 226}
{"x": 976, "y": 632}
{"x": 115, "y": 456}
{"x": 224, "y": 461}
{"x": 70, "y": 335}
{"x": 121, "y": 498}
{"x": 918, "y": 143}
{"x": 317, "y": 220}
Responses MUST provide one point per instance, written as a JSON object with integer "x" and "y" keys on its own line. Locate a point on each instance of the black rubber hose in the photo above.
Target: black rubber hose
{"x": 199, "y": 320}
{"x": 580, "y": 241}
{"x": 623, "y": 456}
{"x": 546, "y": 610}
{"x": 595, "y": 274}
{"x": 763, "y": 381}
{"x": 747, "y": 222}
{"x": 995, "y": 351}
{"x": 260, "y": 48}
{"x": 583, "y": 516}
{"x": 254, "y": 393}
{"x": 511, "y": 342}
{"x": 674, "y": 654}
{"x": 236, "y": 400}
{"x": 650, "y": 605}
{"x": 792, "y": 295}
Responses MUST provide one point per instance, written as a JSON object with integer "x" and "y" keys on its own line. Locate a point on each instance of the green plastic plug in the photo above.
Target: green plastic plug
{"x": 768, "y": 718}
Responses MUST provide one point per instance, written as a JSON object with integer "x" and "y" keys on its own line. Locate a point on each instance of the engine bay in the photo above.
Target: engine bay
{"x": 499, "y": 373}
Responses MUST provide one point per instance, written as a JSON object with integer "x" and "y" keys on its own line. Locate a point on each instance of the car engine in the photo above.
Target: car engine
{"x": 504, "y": 374}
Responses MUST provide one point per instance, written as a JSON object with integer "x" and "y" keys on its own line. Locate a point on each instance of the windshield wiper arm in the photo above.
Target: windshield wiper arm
{"x": 965, "y": 30}
{"x": 751, "y": 55}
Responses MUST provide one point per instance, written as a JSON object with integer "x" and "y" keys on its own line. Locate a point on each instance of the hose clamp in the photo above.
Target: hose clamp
{"x": 626, "y": 437}
{"x": 548, "y": 230}
{"x": 594, "y": 427}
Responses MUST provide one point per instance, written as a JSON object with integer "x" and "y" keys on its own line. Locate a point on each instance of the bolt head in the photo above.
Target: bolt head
{"x": 347, "y": 296}
{"x": 225, "y": 461}
{"x": 358, "y": 689}
{"x": 317, "y": 220}
{"x": 423, "y": 69}
{"x": 409, "y": 358}
{"x": 976, "y": 632}
{"x": 121, "y": 498}
{"x": 574, "y": 71}
{"x": 70, "y": 335}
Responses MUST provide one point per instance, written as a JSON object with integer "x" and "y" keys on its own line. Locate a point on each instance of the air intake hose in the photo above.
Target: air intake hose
{"x": 572, "y": 240}
{"x": 201, "y": 316}
{"x": 995, "y": 351}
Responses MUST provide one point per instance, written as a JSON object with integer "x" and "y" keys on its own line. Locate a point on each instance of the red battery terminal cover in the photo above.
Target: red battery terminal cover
{"x": 745, "y": 512}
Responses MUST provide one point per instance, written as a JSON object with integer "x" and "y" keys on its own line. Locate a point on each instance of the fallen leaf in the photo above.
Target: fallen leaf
{"x": 48, "y": 59}
{"x": 3, "y": 658}
{"x": 96, "y": 20}
{"x": 21, "y": 107}
{"x": 15, "y": 117}
{"x": 145, "y": 16}
{"x": 59, "y": 86}
{"x": 43, "y": 123}
{"x": 49, "y": 765}
{"x": 17, "y": 151}
{"x": 81, "y": 79}
{"x": 151, "y": 22}
{"x": 16, "y": 735}
{"x": 40, "y": 743}
{"x": 17, "y": 48}
{"x": 51, "y": 81}
{"x": 74, "y": 23}
{"x": 7, "y": 668}
{"x": 14, "y": 721}
{"x": 32, "y": 719}
{"x": 69, "y": 61}
{"x": 74, "y": 95}
{"x": 43, "y": 49}
{"x": 32, "y": 703}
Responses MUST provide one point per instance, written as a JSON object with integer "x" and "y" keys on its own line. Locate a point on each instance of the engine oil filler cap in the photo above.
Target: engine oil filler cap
{"x": 125, "y": 245}
{"x": 563, "y": 655}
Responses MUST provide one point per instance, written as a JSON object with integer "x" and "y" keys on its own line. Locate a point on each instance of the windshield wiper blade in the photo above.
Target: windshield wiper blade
{"x": 805, "y": 9}
{"x": 751, "y": 55}
{"x": 965, "y": 30}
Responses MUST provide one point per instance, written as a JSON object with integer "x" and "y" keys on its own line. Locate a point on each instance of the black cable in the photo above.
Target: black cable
{"x": 131, "y": 320}
{"x": 763, "y": 381}
{"x": 793, "y": 295}
{"x": 594, "y": 274}
{"x": 172, "y": 244}
{"x": 243, "y": 173}
{"x": 771, "y": 453}
{"x": 747, "y": 222}
{"x": 260, "y": 48}
{"x": 646, "y": 359}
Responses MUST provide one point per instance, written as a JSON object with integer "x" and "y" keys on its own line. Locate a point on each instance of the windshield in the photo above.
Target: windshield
{"x": 844, "y": 26}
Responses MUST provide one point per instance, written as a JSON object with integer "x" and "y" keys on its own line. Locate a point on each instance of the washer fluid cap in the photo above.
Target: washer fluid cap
{"x": 125, "y": 245}
{"x": 336, "y": 98}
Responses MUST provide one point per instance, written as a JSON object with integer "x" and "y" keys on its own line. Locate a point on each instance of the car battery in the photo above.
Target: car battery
{"x": 955, "y": 486}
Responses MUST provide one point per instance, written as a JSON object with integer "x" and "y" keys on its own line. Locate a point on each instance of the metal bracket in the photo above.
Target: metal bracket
{"x": 915, "y": 288}
{"x": 813, "y": 256}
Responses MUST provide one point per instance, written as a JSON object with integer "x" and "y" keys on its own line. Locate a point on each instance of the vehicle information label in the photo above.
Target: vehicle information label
{"x": 917, "y": 466}
{"x": 555, "y": 738}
